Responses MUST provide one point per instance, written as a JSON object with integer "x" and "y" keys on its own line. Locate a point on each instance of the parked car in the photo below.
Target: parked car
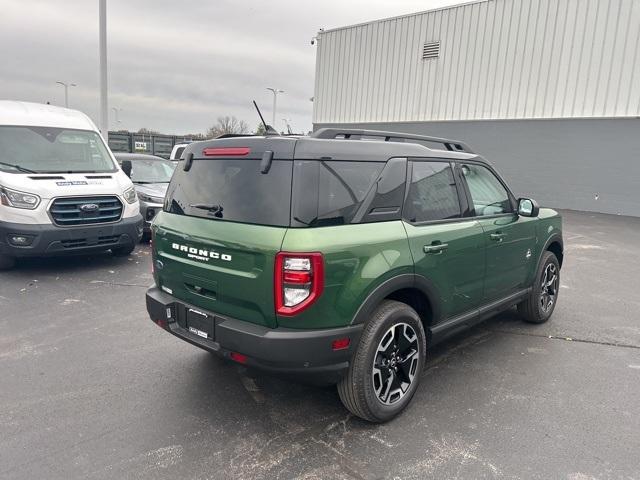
{"x": 176, "y": 151}
{"x": 341, "y": 257}
{"x": 61, "y": 190}
{"x": 151, "y": 176}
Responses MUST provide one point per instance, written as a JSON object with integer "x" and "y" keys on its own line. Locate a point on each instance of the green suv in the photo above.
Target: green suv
{"x": 342, "y": 256}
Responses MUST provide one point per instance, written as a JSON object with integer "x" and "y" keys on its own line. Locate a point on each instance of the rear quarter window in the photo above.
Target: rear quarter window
{"x": 331, "y": 192}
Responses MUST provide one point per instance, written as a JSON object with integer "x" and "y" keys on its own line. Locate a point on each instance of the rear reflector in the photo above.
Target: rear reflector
{"x": 340, "y": 344}
{"x": 226, "y": 152}
{"x": 238, "y": 357}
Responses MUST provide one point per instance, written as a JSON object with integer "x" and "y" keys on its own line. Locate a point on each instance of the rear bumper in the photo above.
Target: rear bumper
{"x": 48, "y": 239}
{"x": 304, "y": 354}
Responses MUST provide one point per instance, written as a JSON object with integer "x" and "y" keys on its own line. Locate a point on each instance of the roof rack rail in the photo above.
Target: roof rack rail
{"x": 357, "y": 134}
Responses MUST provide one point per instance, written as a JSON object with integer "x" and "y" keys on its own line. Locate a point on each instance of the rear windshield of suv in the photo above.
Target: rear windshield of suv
{"x": 232, "y": 190}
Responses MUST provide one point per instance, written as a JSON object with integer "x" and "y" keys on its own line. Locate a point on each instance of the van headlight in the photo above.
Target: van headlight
{"x": 130, "y": 195}
{"x": 13, "y": 198}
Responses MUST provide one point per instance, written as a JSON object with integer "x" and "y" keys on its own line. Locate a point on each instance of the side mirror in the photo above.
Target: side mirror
{"x": 528, "y": 207}
{"x": 126, "y": 167}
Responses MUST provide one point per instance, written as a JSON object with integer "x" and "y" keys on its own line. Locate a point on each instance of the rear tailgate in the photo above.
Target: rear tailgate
{"x": 224, "y": 221}
{"x": 223, "y": 267}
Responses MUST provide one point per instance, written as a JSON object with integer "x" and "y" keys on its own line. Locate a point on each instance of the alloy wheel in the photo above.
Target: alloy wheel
{"x": 549, "y": 287}
{"x": 395, "y": 363}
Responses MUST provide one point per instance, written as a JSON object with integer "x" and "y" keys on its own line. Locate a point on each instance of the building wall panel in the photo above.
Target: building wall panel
{"x": 499, "y": 59}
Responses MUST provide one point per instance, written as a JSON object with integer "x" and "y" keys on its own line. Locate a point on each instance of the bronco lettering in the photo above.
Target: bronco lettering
{"x": 201, "y": 254}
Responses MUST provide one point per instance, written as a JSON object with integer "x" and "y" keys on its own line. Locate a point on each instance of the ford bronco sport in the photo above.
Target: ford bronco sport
{"x": 342, "y": 256}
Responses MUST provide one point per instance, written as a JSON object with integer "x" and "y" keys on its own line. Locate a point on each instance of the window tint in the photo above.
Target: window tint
{"x": 232, "y": 190}
{"x": 432, "y": 194}
{"x": 488, "y": 195}
{"x": 330, "y": 192}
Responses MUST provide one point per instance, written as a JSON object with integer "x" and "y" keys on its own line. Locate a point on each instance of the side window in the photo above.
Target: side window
{"x": 433, "y": 194}
{"x": 488, "y": 195}
{"x": 331, "y": 192}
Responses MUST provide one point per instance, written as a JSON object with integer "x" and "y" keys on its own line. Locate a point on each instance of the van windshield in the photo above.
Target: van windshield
{"x": 52, "y": 150}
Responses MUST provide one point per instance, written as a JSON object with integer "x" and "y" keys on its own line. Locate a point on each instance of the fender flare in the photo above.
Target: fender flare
{"x": 556, "y": 237}
{"x": 399, "y": 282}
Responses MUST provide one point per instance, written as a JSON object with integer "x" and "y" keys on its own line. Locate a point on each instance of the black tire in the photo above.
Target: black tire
{"x": 124, "y": 250}
{"x": 7, "y": 262}
{"x": 541, "y": 302}
{"x": 358, "y": 388}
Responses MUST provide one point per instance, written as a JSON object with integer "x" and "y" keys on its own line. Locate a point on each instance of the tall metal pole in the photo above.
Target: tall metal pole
{"x": 275, "y": 92}
{"x": 104, "y": 104}
{"x": 275, "y": 104}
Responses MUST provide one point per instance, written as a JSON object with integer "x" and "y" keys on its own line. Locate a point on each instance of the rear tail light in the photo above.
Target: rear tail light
{"x": 299, "y": 280}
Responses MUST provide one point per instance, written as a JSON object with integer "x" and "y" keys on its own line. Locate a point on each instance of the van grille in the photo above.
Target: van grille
{"x": 71, "y": 211}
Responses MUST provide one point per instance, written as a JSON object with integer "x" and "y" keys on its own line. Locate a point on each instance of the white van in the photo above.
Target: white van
{"x": 61, "y": 190}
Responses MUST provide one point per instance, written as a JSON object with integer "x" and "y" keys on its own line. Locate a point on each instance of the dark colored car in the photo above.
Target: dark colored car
{"x": 150, "y": 176}
{"x": 341, "y": 257}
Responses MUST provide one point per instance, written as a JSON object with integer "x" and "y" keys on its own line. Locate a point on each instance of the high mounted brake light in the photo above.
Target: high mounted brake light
{"x": 299, "y": 280}
{"x": 226, "y": 152}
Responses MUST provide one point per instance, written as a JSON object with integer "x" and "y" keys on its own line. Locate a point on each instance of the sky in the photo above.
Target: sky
{"x": 176, "y": 66}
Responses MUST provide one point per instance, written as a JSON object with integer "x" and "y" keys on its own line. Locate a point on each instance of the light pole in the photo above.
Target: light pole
{"x": 116, "y": 111}
{"x": 66, "y": 91}
{"x": 275, "y": 92}
{"x": 104, "y": 105}
{"x": 287, "y": 124}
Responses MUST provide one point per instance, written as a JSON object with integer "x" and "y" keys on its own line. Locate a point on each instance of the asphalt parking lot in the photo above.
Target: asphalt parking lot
{"x": 91, "y": 388}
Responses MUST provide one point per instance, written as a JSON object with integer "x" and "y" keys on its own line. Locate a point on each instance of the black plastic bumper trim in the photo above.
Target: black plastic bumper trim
{"x": 304, "y": 353}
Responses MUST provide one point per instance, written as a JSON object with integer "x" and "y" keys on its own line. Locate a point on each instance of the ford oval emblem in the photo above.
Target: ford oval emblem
{"x": 89, "y": 207}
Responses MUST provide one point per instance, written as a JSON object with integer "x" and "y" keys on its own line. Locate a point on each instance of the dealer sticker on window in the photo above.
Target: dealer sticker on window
{"x": 200, "y": 333}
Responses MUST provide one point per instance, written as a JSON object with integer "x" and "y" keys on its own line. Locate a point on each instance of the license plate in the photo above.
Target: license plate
{"x": 200, "y": 323}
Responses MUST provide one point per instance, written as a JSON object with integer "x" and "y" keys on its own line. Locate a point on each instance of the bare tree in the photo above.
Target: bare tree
{"x": 148, "y": 131}
{"x": 228, "y": 125}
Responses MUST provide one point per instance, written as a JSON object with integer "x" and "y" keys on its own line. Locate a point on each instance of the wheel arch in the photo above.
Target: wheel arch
{"x": 415, "y": 290}
{"x": 555, "y": 245}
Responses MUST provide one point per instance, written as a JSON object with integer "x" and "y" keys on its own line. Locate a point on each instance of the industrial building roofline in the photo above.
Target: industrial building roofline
{"x": 358, "y": 134}
{"x": 422, "y": 12}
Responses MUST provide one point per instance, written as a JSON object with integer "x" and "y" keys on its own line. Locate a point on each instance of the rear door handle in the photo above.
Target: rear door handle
{"x": 498, "y": 237}
{"x": 437, "y": 248}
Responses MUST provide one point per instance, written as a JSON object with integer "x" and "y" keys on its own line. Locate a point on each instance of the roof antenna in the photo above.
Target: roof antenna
{"x": 268, "y": 129}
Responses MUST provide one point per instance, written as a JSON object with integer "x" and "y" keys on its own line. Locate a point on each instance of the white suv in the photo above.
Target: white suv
{"x": 61, "y": 190}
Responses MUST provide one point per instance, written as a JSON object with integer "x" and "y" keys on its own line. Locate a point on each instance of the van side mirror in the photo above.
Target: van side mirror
{"x": 528, "y": 207}
{"x": 126, "y": 167}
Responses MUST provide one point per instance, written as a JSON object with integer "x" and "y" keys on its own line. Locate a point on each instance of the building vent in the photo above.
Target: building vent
{"x": 431, "y": 50}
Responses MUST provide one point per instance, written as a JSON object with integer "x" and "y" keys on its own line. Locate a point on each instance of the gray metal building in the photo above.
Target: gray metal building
{"x": 547, "y": 90}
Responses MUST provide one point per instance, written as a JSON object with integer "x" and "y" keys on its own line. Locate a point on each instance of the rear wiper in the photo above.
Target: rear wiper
{"x": 18, "y": 167}
{"x": 213, "y": 209}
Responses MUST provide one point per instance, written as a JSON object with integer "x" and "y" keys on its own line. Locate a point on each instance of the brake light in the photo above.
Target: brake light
{"x": 226, "y": 152}
{"x": 299, "y": 280}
